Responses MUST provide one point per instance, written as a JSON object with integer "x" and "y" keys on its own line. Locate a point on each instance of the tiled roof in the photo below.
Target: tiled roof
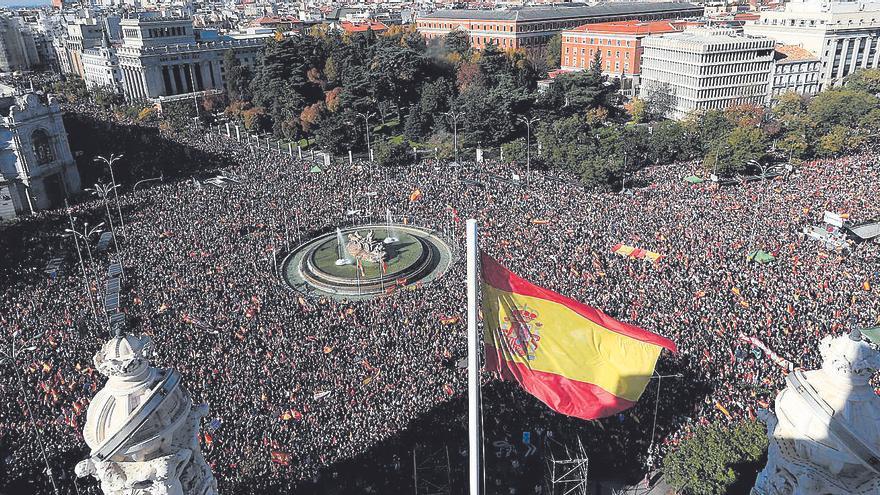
{"x": 361, "y": 27}
{"x": 564, "y": 12}
{"x": 630, "y": 27}
{"x": 792, "y": 53}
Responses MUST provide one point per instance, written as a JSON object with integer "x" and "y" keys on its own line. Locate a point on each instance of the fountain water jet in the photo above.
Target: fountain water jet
{"x": 343, "y": 257}
{"x": 390, "y": 231}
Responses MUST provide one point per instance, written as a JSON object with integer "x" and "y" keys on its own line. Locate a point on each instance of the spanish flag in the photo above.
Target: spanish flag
{"x": 574, "y": 358}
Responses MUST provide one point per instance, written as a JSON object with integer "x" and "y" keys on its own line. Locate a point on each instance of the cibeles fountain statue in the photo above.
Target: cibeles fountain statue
{"x": 825, "y": 433}
{"x": 142, "y": 427}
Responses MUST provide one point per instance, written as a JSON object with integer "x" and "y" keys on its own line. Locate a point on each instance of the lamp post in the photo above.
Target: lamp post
{"x": 82, "y": 266}
{"x": 109, "y": 162}
{"x": 528, "y": 123}
{"x": 102, "y": 191}
{"x": 454, "y": 116}
{"x": 763, "y": 169}
{"x": 623, "y": 175}
{"x": 10, "y": 357}
{"x": 366, "y": 117}
{"x": 85, "y": 235}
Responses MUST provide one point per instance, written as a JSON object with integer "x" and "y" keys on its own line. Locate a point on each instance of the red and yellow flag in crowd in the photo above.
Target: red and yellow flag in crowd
{"x": 574, "y": 358}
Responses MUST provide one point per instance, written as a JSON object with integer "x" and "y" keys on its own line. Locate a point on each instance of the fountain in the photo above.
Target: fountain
{"x": 344, "y": 257}
{"x": 390, "y": 231}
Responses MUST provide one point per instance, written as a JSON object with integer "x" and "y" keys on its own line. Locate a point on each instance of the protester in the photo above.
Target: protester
{"x": 322, "y": 380}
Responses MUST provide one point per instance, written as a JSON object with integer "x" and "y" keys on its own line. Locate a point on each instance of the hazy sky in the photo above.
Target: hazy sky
{"x": 13, "y": 3}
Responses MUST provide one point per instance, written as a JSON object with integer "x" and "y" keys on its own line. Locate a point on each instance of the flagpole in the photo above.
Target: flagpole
{"x": 475, "y": 426}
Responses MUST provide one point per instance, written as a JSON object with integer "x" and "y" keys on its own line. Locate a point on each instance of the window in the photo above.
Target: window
{"x": 42, "y": 146}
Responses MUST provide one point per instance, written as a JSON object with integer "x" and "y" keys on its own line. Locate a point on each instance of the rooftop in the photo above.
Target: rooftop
{"x": 793, "y": 53}
{"x": 563, "y": 11}
{"x": 360, "y": 27}
{"x": 630, "y": 27}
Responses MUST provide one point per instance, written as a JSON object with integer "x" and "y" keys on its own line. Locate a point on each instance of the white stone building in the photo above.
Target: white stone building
{"x": 37, "y": 170}
{"x": 160, "y": 57}
{"x": 707, "y": 68}
{"x": 18, "y": 51}
{"x": 83, "y": 34}
{"x": 794, "y": 70}
{"x": 843, "y": 35}
{"x": 101, "y": 67}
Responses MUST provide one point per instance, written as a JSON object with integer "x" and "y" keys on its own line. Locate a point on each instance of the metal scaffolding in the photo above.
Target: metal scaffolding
{"x": 568, "y": 472}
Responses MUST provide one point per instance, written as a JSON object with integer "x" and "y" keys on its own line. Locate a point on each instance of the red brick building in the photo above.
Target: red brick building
{"x": 531, "y": 28}
{"x": 619, "y": 45}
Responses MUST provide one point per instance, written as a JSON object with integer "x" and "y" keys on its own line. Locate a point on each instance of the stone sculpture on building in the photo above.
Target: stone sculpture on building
{"x": 825, "y": 433}
{"x": 37, "y": 169}
{"x": 142, "y": 427}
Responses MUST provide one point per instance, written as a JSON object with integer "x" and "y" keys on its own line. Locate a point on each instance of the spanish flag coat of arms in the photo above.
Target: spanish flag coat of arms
{"x": 574, "y": 358}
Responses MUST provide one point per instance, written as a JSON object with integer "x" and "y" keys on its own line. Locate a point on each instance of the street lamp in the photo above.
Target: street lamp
{"x": 85, "y": 235}
{"x": 454, "y": 116}
{"x": 109, "y": 162}
{"x": 10, "y": 357}
{"x": 102, "y": 191}
{"x": 528, "y": 123}
{"x": 82, "y": 265}
{"x": 763, "y": 169}
{"x": 366, "y": 117}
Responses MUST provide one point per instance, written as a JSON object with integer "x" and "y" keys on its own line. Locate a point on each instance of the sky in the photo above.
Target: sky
{"x": 22, "y": 3}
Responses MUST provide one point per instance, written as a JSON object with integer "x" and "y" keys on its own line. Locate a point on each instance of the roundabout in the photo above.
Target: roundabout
{"x": 366, "y": 261}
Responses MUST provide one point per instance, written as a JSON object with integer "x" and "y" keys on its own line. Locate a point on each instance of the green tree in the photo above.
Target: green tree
{"x": 554, "y": 52}
{"x": 637, "y": 110}
{"x": 659, "y": 100}
{"x": 596, "y": 64}
{"x": 514, "y": 151}
{"x": 839, "y": 140}
{"x": 715, "y": 456}
{"x": 238, "y": 77}
{"x": 670, "y": 142}
{"x": 393, "y": 154}
{"x": 734, "y": 152}
{"x": 844, "y": 107}
{"x": 867, "y": 80}
{"x": 457, "y": 41}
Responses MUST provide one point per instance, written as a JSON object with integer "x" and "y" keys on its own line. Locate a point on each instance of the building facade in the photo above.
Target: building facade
{"x": 18, "y": 50}
{"x": 37, "y": 170}
{"x": 83, "y": 34}
{"x": 101, "y": 67}
{"x": 531, "y": 28}
{"x": 794, "y": 70}
{"x": 843, "y": 35}
{"x": 707, "y": 68}
{"x": 619, "y": 45}
{"x": 160, "y": 57}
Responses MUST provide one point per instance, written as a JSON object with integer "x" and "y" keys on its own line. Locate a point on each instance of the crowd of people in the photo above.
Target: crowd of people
{"x": 299, "y": 384}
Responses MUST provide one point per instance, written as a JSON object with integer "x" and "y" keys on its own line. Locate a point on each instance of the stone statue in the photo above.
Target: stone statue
{"x": 142, "y": 428}
{"x": 365, "y": 248}
{"x": 825, "y": 434}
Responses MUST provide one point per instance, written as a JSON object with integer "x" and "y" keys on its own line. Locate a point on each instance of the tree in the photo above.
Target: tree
{"x": 457, "y": 41}
{"x": 393, "y": 154}
{"x": 867, "y": 80}
{"x": 839, "y": 140}
{"x": 734, "y": 152}
{"x": 554, "y": 51}
{"x": 659, "y": 100}
{"x": 715, "y": 456}
{"x": 841, "y": 107}
{"x": 637, "y": 109}
{"x": 596, "y": 64}
{"x": 238, "y": 77}
{"x": 669, "y": 142}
